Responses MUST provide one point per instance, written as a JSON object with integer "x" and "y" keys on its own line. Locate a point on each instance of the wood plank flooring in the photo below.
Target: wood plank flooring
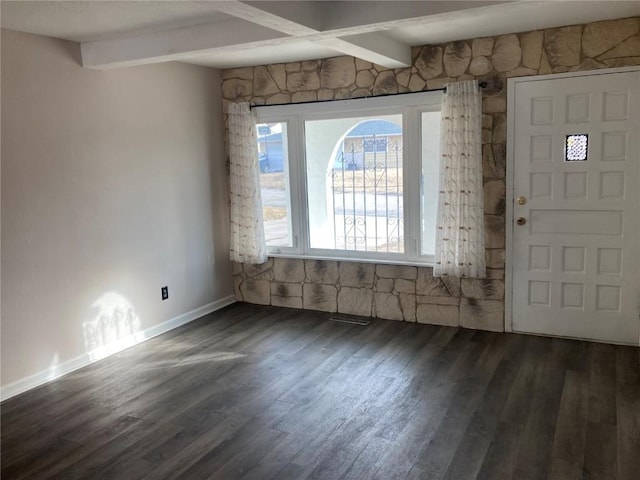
{"x": 265, "y": 393}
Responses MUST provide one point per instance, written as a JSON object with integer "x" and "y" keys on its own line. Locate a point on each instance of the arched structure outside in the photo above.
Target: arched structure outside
{"x": 354, "y": 185}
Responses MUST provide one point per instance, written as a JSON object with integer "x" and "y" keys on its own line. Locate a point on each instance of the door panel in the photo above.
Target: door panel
{"x": 576, "y": 257}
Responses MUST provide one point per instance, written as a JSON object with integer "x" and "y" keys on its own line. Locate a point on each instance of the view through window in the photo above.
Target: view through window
{"x": 355, "y": 201}
{"x": 274, "y": 183}
{"x": 352, "y": 179}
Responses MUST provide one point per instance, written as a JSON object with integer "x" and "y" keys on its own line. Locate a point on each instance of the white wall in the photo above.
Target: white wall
{"x": 113, "y": 185}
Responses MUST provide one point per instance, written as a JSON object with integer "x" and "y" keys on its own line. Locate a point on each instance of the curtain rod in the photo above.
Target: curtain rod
{"x": 481, "y": 84}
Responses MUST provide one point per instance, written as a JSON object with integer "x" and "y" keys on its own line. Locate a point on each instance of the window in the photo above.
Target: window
{"x": 274, "y": 184}
{"x": 576, "y": 147}
{"x": 354, "y": 179}
{"x": 373, "y": 144}
{"x": 357, "y": 204}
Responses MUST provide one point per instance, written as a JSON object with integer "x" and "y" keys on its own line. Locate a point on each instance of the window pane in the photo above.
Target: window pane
{"x": 274, "y": 183}
{"x": 576, "y": 147}
{"x": 430, "y": 174}
{"x": 354, "y": 183}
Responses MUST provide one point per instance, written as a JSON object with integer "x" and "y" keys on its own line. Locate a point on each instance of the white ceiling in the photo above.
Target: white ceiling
{"x": 232, "y": 33}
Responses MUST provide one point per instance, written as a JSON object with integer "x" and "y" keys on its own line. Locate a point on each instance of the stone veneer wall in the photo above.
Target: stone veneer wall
{"x": 412, "y": 293}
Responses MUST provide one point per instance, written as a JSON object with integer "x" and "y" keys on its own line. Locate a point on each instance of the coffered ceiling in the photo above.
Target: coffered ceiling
{"x": 233, "y": 33}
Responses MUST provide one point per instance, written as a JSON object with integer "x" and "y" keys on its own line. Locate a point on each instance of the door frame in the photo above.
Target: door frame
{"x": 510, "y": 164}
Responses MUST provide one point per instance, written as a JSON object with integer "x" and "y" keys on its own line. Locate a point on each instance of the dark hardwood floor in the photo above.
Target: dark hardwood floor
{"x": 265, "y": 393}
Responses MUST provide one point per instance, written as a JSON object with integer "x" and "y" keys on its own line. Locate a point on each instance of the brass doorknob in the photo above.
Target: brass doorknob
{"x": 521, "y": 200}
{"x": 521, "y": 221}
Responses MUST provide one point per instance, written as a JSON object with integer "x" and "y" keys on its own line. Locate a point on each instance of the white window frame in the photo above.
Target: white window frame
{"x": 411, "y": 106}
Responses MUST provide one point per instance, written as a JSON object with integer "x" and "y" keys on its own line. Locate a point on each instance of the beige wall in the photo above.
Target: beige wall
{"x": 410, "y": 293}
{"x": 108, "y": 182}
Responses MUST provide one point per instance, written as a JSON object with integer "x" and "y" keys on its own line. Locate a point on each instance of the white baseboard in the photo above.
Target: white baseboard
{"x": 40, "y": 378}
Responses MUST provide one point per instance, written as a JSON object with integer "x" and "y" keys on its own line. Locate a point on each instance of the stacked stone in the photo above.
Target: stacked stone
{"x": 471, "y": 303}
{"x": 613, "y": 43}
{"x": 394, "y": 292}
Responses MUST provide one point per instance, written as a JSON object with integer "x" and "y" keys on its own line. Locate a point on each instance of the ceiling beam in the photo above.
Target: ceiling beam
{"x": 341, "y": 14}
{"x": 305, "y": 19}
{"x": 256, "y": 23}
{"x": 292, "y": 18}
{"x": 174, "y": 44}
{"x": 372, "y": 47}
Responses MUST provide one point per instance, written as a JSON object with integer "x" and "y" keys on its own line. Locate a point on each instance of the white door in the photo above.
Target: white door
{"x": 575, "y": 252}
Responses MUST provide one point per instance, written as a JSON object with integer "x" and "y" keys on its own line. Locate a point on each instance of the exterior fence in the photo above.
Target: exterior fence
{"x": 367, "y": 197}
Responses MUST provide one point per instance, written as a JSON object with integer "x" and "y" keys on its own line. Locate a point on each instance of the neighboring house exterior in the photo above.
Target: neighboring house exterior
{"x": 371, "y": 142}
{"x": 270, "y": 151}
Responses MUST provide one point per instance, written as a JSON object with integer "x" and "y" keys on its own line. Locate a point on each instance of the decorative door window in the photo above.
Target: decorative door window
{"x": 576, "y": 147}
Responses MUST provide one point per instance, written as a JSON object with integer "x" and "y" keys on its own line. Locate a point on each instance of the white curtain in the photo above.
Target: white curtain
{"x": 460, "y": 223}
{"x": 247, "y": 230}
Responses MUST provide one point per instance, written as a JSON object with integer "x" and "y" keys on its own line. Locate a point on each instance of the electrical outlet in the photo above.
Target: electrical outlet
{"x": 165, "y": 292}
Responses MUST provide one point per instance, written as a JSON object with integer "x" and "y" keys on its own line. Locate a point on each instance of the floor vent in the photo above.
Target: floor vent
{"x": 353, "y": 321}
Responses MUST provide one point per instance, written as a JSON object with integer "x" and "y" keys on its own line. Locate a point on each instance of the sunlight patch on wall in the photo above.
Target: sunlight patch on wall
{"x": 54, "y": 367}
{"x": 114, "y": 326}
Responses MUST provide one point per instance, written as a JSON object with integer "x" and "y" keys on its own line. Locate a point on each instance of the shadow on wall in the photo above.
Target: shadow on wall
{"x": 114, "y": 326}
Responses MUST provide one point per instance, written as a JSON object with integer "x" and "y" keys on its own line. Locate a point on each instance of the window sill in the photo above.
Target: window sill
{"x": 379, "y": 261}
